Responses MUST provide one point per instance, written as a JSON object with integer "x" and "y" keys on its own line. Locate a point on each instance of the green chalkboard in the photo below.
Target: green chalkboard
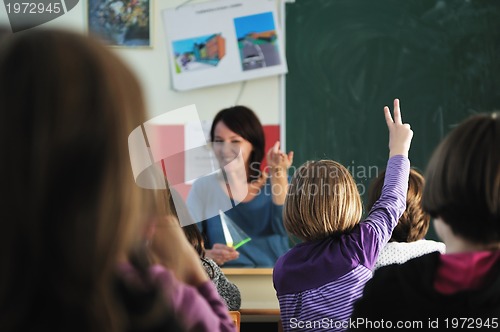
{"x": 349, "y": 58}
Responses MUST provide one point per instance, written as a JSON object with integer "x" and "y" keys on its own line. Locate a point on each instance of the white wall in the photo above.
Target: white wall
{"x": 151, "y": 65}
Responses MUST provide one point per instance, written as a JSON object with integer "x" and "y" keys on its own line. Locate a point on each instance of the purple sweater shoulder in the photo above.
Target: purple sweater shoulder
{"x": 198, "y": 308}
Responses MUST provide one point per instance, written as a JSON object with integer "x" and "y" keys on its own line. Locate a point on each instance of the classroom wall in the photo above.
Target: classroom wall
{"x": 151, "y": 66}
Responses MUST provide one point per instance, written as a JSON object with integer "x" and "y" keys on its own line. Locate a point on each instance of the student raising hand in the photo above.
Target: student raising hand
{"x": 323, "y": 209}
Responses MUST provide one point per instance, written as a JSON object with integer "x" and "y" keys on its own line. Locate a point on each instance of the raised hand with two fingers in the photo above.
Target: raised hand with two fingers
{"x": 400, "y": 134}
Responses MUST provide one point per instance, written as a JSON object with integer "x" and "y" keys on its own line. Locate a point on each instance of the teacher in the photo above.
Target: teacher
{"x": 251, "y": 197}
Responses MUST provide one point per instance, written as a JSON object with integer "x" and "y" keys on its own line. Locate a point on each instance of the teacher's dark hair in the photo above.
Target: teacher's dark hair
{"x": 244, "y": 122}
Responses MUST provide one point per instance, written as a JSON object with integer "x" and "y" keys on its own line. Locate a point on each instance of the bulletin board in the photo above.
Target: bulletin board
{"x": 223, "y": 41}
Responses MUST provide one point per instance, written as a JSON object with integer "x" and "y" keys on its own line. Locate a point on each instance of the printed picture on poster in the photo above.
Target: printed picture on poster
{"x": 223, "y": 41}
{"x": 124, "y": 23}
{"x": 198, "y": 53}
{"x": 257, "y": 41}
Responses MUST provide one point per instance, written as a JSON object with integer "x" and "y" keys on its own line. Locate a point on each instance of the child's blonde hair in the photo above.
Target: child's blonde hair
{"x": 322, "y": 200}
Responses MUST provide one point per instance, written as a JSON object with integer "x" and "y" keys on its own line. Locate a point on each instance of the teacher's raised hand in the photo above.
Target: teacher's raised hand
{"x": 278, "y": 163}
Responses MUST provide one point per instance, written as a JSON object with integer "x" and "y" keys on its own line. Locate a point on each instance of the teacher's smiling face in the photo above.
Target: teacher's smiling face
{"x": 227, "y": 146}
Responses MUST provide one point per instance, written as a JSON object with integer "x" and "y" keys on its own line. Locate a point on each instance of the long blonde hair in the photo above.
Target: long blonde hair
{"x": 70, "y": 206}
{"x": 322, "y": 201}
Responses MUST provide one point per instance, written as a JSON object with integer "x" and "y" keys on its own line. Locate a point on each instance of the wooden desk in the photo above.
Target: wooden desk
{"x": 258, "y": 297}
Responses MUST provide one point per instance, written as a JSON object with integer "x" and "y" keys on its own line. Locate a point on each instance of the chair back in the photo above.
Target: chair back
{"x": 236, "y": 317}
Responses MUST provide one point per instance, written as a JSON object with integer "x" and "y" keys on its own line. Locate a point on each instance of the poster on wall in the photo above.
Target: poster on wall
{"x": 223, "y": 41}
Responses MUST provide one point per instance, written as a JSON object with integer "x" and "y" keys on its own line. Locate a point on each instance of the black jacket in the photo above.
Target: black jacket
{"x": 405, "y": 294}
